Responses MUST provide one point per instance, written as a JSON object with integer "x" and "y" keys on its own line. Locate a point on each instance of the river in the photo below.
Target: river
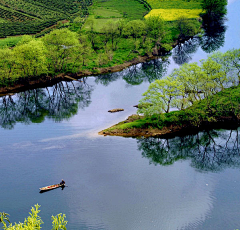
{"x": 117, "y": 183}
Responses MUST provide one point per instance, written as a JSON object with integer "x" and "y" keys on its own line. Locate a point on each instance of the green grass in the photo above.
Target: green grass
{"x": 130, "y": 9}
{"x": 106, "y": 13}
{"x": 98, "y": 23}
{"x": 103, "y": 10}
{"x": 9, "y": 42}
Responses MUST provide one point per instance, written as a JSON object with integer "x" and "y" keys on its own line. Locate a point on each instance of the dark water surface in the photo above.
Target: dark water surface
{"x": 190, "y": 182}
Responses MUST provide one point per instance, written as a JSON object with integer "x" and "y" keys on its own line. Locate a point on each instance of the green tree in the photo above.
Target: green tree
{"x": 160, "y": 96}
{"x": 7, "y": 71}
{"x": 111, "y": 32}
{"x": 62, "y": 46}
{"x": 230, "y": 62}
{"x": 186, "y": 28}
{"x": 30, "y": 58}
{"x": 215, "y": 7}
{"x": 155, "y": 29}
{"x": 135, "y": 29}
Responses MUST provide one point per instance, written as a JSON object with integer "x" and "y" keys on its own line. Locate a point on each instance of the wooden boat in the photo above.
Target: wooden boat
{"x": 51, "y": 187}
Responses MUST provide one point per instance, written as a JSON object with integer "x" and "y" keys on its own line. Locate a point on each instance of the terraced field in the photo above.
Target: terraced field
{"x": 32, "y": 16}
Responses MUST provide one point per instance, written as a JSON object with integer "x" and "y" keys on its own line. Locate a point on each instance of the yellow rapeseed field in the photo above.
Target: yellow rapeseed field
{"x": 174, "y": 14}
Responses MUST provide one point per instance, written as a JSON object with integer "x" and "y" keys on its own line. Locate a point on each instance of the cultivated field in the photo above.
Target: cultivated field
{"x": 102, "y": 11}
{"x": 172, "y": 10}
{"x": 174, "y": 14}
{"x": 32, "y": 16}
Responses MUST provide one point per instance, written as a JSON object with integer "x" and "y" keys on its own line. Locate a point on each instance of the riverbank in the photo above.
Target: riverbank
{"x": 221, "y": 110}
{"x": 45, "y": 81}
{"x": 36, "y": 82}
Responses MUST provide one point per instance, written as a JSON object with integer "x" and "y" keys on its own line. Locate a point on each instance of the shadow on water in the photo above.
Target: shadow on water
{"x": 59, "y": 102}
{"x": 212, "y": 150}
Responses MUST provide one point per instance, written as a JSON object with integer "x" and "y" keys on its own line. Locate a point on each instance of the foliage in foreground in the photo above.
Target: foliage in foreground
{"x": 34, "y": 221}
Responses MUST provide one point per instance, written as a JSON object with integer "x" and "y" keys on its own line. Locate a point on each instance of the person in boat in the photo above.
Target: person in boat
{"x": 62, "y": 182}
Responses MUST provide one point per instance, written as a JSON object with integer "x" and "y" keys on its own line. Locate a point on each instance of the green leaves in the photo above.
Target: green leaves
{"x": 34, "y": 221}
{"x": 59, "y": 222}
{"x": 30, "y": 58}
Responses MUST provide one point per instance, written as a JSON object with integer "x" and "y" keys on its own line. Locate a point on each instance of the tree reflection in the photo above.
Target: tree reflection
{"x": 58, "y": 102}
{"x": 137, "y": 74}
{"x": 147, "y": 71}
{"x": 183, "y": 52}
{"x": 214, "y": 36}
{"x": 106, "y": 79}
{"x": 208, "y": 151}
{"x": 212, "y": 39}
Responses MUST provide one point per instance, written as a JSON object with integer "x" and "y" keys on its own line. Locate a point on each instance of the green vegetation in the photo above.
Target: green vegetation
{"x": 131, "y": 9}
{"x": 115, "y": 32}
{"x": 116, "y": 10}
{"x": 215, "y": 8}
{"x": 34, "y": 221}
{"x": 175, "y": 4}
{"x": 9, "y": 42}
{"x": 64, "y": 51}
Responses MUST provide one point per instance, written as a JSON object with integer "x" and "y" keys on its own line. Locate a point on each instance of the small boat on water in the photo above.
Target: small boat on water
{"x": 51, "y": 187}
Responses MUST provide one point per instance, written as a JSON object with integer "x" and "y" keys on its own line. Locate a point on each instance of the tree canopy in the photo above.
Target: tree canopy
{"x": 192, "y": 82}
{"x": 215, "y": 7}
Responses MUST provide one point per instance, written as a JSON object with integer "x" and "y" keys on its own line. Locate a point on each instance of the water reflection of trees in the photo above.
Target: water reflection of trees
{"x": 137, "y": 74}
{"x": 212, "y": 39}
{"x": 214, "y": 36}
{"x": 147, "y": 71}
{"x": 208, "y": 151}
{"x": 58, "y": 102}
{"x": 183, "y": 53}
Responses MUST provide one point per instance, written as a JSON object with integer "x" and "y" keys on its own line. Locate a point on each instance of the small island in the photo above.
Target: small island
{"x": 221, "y": 111}
{"x": 192, "y": 98}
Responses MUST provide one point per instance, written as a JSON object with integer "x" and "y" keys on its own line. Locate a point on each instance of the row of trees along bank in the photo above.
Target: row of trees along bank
{"x": 70, "y": 52}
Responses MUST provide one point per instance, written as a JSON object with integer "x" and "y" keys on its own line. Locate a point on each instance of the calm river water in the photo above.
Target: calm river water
{"x": 117, "y": 183}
